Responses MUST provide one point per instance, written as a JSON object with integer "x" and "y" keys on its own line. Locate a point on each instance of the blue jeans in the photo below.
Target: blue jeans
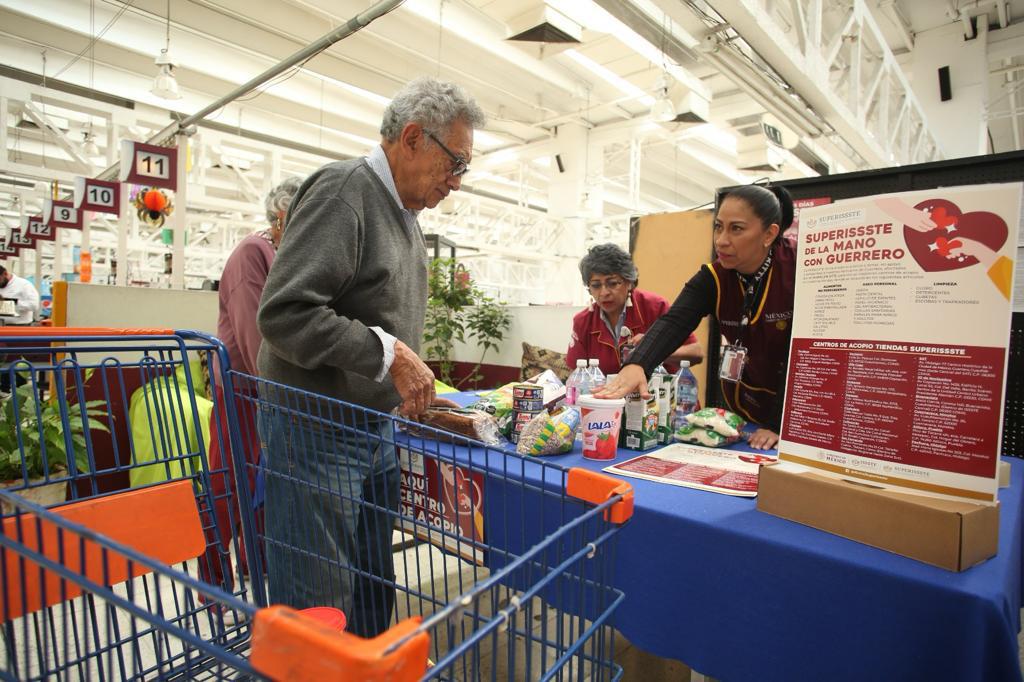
{"x": 332, "y": 498}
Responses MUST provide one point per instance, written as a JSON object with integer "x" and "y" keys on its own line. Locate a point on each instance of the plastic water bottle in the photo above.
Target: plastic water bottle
{"x": 597, "y": 378}
{"x": 686, "y": 394}
{"x": 575, "y": 382}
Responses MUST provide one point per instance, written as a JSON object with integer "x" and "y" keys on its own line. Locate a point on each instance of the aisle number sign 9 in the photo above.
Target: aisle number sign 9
{"x": 34, "y": 226}
{"x": 148, "y": 164}
{"x": 62, "y": 214}
{"x": 97, "y": 195}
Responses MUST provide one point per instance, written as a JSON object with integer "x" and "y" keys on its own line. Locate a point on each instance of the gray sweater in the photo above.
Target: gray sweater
{"x": 346, "y": 263}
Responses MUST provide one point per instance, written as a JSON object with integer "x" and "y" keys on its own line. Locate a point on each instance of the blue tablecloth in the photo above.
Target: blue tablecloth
{"x": 741, "y": 595}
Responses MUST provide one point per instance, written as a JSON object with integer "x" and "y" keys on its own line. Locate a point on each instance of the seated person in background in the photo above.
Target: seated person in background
{"x": 599, "y": 331}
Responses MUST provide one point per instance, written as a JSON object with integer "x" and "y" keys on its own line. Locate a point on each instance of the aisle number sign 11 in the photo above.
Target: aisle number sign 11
{"x": 62, "y": 214}
{"x": 148, "y": 164}
{"x": 35, "y": 227}
{"x": 99, "y": 196}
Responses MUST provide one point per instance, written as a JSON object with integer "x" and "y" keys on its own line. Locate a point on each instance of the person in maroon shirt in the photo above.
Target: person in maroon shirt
{"x": 749, "y": 289}
{"x": 240, "y": 289}
{"x": 620, "y": 314}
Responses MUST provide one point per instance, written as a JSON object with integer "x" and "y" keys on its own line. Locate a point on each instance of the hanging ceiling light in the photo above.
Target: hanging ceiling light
{"x": 89, "y": 145}
{"x": 166, "y": 85}
{"x": 663, "y": 109}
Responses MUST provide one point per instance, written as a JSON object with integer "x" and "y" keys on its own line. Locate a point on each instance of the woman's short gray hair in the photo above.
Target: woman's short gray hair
{"x": 280, "y": 198}
{"x": 608, "y": 259}
{"x": 433, "y": 104}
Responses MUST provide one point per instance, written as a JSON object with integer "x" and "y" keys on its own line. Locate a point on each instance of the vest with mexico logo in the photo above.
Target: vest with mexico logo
{"x": 766, "y": 337}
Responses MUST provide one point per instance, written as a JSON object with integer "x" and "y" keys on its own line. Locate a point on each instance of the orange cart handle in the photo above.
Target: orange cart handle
{"x": 595, "y": 487}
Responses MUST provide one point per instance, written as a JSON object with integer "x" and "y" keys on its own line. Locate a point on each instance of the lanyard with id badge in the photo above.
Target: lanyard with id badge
{"x": 734, "y": 355}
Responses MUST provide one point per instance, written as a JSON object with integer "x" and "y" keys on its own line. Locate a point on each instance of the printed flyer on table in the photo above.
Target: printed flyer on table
{"x": 731, "y": 472}
{"x": 900, "y": 332}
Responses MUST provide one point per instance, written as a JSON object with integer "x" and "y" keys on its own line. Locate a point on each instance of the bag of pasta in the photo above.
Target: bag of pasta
{"x": 550, "y": 432}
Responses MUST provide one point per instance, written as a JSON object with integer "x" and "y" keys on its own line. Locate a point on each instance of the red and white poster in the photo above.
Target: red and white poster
{"x": 901, "y": 323}
{"x": 437, "y": 496}
{"x": 799, "y": 205}
{"x": 730, "y": 472}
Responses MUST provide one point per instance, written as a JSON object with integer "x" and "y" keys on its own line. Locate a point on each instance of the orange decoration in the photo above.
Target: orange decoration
{"x": 155, "y": 200}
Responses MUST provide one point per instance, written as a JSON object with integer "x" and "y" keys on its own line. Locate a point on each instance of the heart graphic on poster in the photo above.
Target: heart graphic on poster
{"x": 934, "y": 250}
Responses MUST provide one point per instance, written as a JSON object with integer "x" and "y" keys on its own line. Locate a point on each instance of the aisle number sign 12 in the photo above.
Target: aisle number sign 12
{"x": 62, "y": 214}
{"x": 148, "y": 164}
{"x": 97, "y": 195}
{"x": 35, "y": 227}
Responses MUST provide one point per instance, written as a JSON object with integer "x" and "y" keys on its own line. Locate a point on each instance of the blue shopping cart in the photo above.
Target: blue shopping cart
{"x": 500, "y": 565}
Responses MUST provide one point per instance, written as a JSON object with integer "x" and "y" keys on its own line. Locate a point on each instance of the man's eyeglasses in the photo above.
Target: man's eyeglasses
{"x": 611, "y": 285}
{"x": 461, "y": 165}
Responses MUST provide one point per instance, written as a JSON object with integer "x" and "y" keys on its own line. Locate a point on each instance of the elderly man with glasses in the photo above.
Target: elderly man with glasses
{"x": 620, "y": 314}
{"x": 342, "y": 316}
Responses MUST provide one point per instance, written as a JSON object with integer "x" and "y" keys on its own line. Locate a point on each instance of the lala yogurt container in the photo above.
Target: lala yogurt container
{"x": 601, "y": 419}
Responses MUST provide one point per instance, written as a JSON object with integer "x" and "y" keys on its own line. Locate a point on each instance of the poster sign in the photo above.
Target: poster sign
{"x": 35, "y": 227}
{"x": 7, "y": 249}
{"x": 148, "y": 164}
{"x": 437, "y": 496}
{"x": 901, "y": 322}
{"x": 62, "y": 214}
{"x": 798, "y": 205}
{"x": 99, "y": 196}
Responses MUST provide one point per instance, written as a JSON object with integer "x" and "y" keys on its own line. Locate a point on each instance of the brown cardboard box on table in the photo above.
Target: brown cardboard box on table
{"x": 949, "y": 534}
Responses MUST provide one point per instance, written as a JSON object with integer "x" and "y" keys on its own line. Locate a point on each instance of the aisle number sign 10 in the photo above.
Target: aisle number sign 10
{"x": 35, "y": 227}
{"x": 97, "y": 195}
{"x": 148, "y": 164}
{"x": 62, "y": 214}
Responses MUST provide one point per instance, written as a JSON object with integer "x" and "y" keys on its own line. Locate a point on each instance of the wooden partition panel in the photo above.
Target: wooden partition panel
{"x": 668, "y": 249}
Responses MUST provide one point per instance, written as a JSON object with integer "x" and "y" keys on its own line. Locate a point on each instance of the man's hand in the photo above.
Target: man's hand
{"x": 413, "y": 380}
{"x": 764, "y": 439}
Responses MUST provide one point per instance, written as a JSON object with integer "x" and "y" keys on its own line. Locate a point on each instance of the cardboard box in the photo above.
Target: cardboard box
{"x": 949, "y": 534}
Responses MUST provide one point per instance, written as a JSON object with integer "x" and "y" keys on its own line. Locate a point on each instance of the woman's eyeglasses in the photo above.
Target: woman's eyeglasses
{"x": 461, "y": 165}
{"x": 609, "y": 284}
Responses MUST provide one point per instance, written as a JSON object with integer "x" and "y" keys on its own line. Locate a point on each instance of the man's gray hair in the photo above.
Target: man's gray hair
{"x": 608, "y": 259}
{"x": 280, "y": 198}
{"x": 433, "y": 104}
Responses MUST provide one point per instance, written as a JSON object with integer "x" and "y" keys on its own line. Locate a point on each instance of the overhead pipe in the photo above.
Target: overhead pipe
{"x": 354, "y": 24}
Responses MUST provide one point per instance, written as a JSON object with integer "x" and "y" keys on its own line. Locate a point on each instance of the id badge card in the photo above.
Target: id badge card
{"x": 733, "y": 359}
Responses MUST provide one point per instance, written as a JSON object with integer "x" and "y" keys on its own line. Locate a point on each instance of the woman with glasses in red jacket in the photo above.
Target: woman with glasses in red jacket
{"x": 620, "y": 314}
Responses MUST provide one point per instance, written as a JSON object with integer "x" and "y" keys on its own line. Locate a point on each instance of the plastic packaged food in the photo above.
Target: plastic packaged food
{"x": 699, "y": 435}
{"x": 723, "y": 421}
{"x": 549, "y": 433}
{"x": 470, "y": 423}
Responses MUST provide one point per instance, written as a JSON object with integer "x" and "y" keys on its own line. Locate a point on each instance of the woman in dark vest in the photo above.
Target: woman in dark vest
{"x": 749, "y": 290}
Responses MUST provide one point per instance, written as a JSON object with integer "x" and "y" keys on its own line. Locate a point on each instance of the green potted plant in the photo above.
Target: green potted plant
{"x": 40, "y": 425}
{"x": 456, "y": 310}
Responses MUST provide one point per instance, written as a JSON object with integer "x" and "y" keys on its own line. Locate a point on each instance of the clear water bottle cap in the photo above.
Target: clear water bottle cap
{"x": 684, "y": 363}
{"x": 592, "y": 362}
{"x": 581, "y": 363}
